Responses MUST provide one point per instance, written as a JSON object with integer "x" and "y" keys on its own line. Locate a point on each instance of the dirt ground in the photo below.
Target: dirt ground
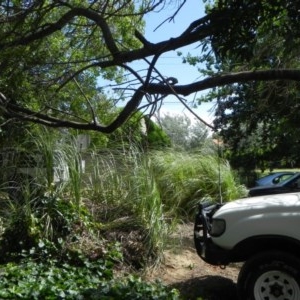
{"x": 183, "y": 269}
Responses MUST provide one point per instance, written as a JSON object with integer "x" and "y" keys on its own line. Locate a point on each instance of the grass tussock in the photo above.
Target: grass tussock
{"x": 125, "y": 198}
{"x": 185, "y": 179}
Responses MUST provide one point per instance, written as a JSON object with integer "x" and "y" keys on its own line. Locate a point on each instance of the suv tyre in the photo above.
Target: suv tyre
{"x": 271, "y": 275}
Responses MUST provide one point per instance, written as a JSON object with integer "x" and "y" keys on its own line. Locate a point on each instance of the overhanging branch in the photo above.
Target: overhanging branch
{"x": 262, "y": 75}
{"x": 11, "y": 110}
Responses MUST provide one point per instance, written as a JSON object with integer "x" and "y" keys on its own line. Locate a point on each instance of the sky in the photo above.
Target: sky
{"x": 170, "y": 64}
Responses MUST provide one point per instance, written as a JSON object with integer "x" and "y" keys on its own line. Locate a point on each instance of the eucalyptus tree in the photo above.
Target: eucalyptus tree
{"x": 184, "y": 134}
{"x": 51, "y": 53}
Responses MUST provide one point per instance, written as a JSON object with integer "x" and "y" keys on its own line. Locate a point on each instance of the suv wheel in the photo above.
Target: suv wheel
{"x": 270, "y": 275}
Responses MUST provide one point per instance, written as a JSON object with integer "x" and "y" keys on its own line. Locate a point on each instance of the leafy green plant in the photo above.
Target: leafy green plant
{"x": 32, "y": 280}
{"x": 43, "y": 273}
{"x": 51, "y": 279}
{"x": 132, "y": 288}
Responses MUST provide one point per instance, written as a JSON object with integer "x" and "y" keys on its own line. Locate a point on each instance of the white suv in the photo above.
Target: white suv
{"x": 263, "y": 232}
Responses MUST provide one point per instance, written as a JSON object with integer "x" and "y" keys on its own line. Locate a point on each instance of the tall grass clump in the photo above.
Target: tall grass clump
{"x": 44, "y": 201}
{"x": 148, "y": 204}
{"x": 63, "y": 165}
{"x": 125, "y": 198}
{"x": 185, "y": 178}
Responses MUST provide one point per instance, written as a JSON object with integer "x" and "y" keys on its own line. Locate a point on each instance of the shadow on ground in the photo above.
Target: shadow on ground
{"x": 207, "y": 288}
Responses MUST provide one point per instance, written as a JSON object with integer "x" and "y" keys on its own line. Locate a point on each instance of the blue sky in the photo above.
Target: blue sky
{"x": 170, "y": 64}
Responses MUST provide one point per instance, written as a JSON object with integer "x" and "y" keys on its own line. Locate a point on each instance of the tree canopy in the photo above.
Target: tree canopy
{"x": 260, "y": 120}
{"x": 52, "y": 52}
{"x": 184, "y": 133}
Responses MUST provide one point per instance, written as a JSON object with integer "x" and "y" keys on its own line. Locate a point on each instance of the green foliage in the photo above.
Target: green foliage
{"x": 64, "y": 234}
{"x": 133, "y": 132}
{"x": 125, "y": 196}
{"x": 47, "y": 271}
{"x": 149, "y": 206}
{"x": 50, "y": 279}
{"x": 258, "y": 121}
{"x": 43, "y": 274}
{"x": 184, "y": 179}
{"x": 133, "y": 288}
{"x": 56, "y": 71}
{"x": 41, "y": 208}
{"x": 156, "y": 137}
{"x": 46, "y": 217}
{"x": 249, "y": 23}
